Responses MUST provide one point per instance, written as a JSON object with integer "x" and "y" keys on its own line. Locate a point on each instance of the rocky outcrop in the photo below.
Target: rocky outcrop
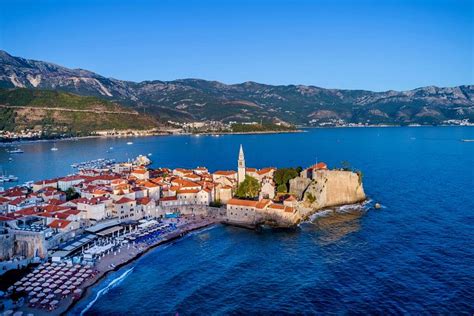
{"x": 298, "y": 186}
{"x": 327, "y": 188}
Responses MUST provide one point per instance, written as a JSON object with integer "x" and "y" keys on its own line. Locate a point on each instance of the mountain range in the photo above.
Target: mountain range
{"x": 202, "y": 100}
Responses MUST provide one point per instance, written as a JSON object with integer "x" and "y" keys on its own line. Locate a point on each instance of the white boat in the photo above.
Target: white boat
{"x": 15, "y": 151}
{"x": 54, "y": 148}
{"x": 129, "y": 143}
{"x": 467, "y": 140}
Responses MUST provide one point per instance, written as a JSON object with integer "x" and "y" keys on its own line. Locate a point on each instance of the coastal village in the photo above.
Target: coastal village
{"x": 60, "y": 236}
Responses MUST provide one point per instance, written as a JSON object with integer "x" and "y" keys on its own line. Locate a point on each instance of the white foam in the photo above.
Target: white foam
{"x": 112, "y": 284}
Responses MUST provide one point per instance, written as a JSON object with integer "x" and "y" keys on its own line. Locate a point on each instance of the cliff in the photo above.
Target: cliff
{"x": 327, "y": 188}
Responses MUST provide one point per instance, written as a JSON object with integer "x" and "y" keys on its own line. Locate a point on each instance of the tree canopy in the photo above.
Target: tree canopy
{"x": 249, "y": 188}
{"x": 283, "y": 176}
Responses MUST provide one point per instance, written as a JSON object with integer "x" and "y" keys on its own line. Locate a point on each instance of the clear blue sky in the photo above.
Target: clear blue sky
{"x": 375, "y": 45}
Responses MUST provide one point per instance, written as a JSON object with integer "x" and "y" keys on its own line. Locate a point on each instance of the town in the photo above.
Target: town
{"x": 86, "y": 224}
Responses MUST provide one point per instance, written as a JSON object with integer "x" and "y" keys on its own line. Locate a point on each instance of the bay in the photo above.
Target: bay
{"x": 415, "y": 255}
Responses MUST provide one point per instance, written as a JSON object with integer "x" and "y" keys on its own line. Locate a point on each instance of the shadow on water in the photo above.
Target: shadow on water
{"x": 333, "y": 226}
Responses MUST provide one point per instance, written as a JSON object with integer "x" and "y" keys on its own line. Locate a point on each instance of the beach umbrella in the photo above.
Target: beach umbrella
{"x": 45, "y": 301}
{"x": 68, "y": 273}
{"x": 50, "y": 296}
{"x": 38, "y": 288}
{"x": 63, "y": 287}
{"x": 41, "y": 280}
{"x": 34, "y": 300}
{"x": 63, "y": 278}
{"x": 18, "y": 283}
{"x": 77, "y": 283}
{"x": 29, "y": 275}
{"x": 53, "y": 286}
{"x": 80, "y": 279}
{"x": 47, "y": 263}
{"x": 40, "y": 295}
{"x": 46, "y": 284}
{"x": 69, "y": 282}
{"x": 26, "y": 283}
{"x": 18, "y": 313}
{"x": 58, "y": 291}
{"x": 8, "y": 312}
{"x": 35, "y": 284}
{"x": 53, "y": 303}
{"x": 29, "y": 289}
{"x": 66, "y": 292}
{"x": 21, "y": 288}
{"x": 47, "y": 290}
{"x": 78, "y": 291}
{"x": 71, "y": 287}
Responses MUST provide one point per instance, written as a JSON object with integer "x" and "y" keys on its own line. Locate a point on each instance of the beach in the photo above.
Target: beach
{"x": 124, "y": 255}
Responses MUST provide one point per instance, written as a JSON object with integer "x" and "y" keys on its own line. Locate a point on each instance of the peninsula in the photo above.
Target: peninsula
{"x": 60, "y": 236}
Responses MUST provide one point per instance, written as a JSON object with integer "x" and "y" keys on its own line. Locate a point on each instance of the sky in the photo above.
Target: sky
{"x": 373, "y": 45}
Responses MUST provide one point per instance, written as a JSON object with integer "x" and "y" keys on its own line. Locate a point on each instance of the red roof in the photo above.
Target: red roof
{"x": 59, "y": 223}
{"x": 225, "y": 172}
{"x": 169, "y": 198}
{"x": 319, "y": 165}
{"x": 239, "y": 202}
{"x": 144, "y": 200}
{"x": 124, "y": 200}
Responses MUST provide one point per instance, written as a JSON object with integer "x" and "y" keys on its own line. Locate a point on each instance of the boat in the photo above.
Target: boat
{"x": 15, "y": 151}
{"x": 10, "y": 178}
{"x": 467, "y": 140}
{"x": 129, "y": 143}
{"x": 54, "y": 148}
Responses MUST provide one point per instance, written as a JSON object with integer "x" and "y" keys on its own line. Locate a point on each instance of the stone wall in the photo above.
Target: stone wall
{"x": 331, "y": 188}
{"x": 6, "y": 245}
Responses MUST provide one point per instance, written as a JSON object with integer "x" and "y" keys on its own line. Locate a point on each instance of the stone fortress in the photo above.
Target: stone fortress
{"x": 316, "y": 188}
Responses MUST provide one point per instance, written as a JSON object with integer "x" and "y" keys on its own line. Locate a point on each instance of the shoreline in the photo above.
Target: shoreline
{"x": 20, "y": 142}
{"x": 111, "y": 263}
{"x": 87, "y": 289}
{"x": 301, "y": 129}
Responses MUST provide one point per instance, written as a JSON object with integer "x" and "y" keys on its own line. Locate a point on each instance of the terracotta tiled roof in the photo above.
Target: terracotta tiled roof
{"x": 239, "y": 202}
{"x": 225, "y": 172}
{"x": 169, "y": 198}
{"x": 124, "y": 200}
{"x": 59, "y": 223}
{"x": 265, "y": 170}
{"x": 143, "y": 201}
{"x": 184, "y": 191}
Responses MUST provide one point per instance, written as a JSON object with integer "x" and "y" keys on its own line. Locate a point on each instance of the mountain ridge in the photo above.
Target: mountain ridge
{"x": 194, "y": 99}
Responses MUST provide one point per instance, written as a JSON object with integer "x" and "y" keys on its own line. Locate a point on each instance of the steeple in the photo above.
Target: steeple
{"x": 241, "y": 166}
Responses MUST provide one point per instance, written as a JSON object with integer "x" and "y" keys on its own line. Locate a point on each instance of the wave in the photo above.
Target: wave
{"x": 103, "y": 291}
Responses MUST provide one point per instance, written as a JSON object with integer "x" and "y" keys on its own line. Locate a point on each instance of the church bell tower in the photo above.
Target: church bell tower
{"x": 241, "y": 166}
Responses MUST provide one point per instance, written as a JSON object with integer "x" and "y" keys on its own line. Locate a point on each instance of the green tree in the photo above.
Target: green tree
{"x": 282, "y": 188}
{"x": 249, "y": 188}
{"x": 284, "y": 175}
{"x": 71, "y": 194}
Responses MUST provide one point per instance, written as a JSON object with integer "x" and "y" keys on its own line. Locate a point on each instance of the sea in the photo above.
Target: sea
{"x": 413, "y": 256}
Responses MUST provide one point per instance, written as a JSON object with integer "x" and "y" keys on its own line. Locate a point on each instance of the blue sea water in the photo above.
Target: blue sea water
{"x": 414, "y": 256}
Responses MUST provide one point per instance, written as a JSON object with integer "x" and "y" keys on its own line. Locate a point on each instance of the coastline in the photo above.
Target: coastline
{"x": 19, "y": 142}
{"x": 110, "y": 264}
{"x": 300, "y": 129}
{"x": 87, "y": 288}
